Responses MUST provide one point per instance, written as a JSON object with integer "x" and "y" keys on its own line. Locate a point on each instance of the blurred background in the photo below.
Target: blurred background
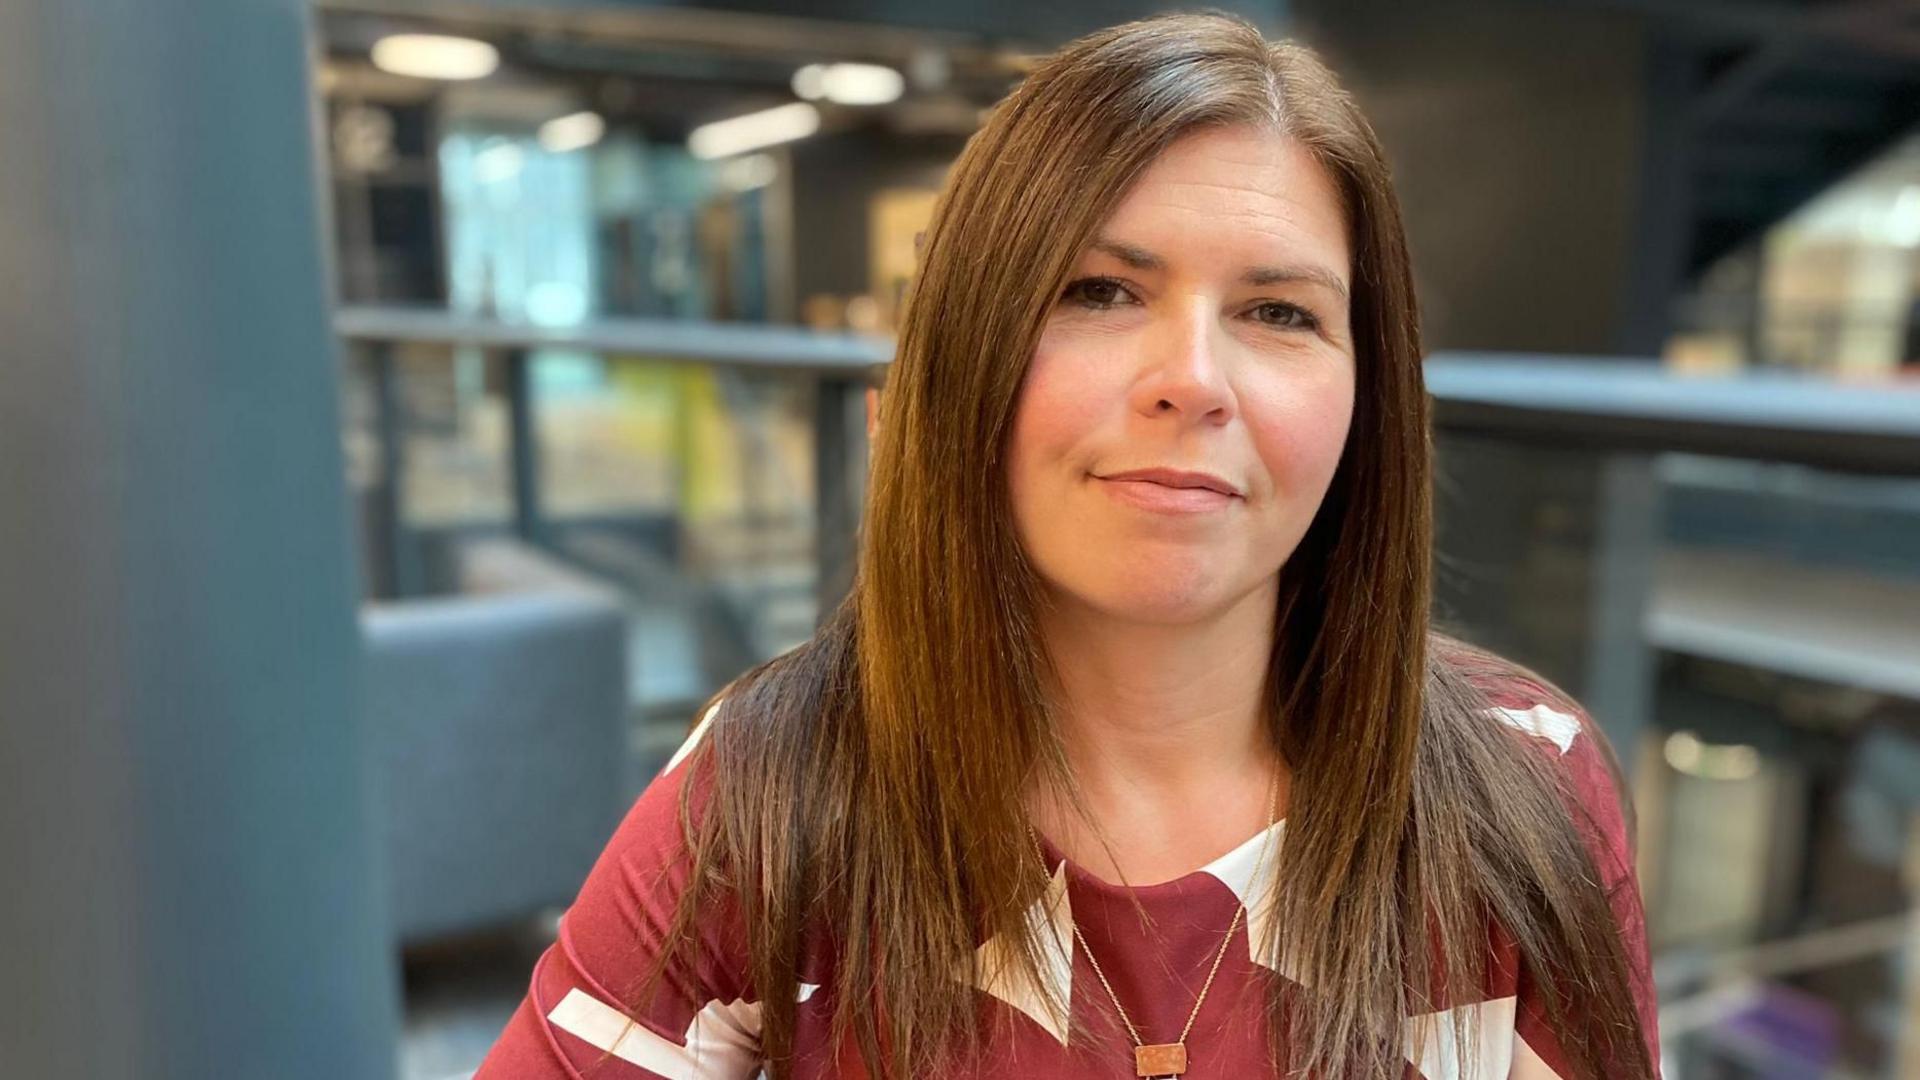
{"x": 414, "y": 410}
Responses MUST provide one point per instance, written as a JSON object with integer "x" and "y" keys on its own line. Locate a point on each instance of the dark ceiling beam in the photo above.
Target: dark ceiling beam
{"x": 1761, "y": 156}
{"x": 1874, "y": 27}
{"x": 682, "y": 28}
{"x": 1780, "y": 35}
{"x": 1742, "y": 81}
{"x": 1771, "y": 110}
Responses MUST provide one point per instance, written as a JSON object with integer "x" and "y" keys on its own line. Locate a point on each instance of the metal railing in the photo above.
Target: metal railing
{"x": 839, "y": 366}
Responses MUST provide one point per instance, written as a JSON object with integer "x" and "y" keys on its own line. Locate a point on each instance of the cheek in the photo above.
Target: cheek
{"x": 1061, "y": 403}
{"x": 1299, "y": 430}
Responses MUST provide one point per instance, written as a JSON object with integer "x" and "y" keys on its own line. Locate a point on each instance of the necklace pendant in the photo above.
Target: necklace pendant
{"x": 1160, "y": 1059}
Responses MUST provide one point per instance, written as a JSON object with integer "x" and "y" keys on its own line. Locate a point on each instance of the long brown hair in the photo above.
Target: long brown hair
{"x": 867, "y": 786}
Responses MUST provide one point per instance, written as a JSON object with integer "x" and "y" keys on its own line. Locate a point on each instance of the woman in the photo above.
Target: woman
{"x": 1145, "y": 571}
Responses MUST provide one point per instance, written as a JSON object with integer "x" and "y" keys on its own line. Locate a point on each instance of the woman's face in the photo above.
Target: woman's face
{"x": 1202, "y": 344}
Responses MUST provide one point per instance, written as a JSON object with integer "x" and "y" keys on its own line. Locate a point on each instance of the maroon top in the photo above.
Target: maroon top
{"x": 705, "y": 1023}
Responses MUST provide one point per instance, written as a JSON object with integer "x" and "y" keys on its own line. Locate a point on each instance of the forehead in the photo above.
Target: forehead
{"x": 1242, "y": 193}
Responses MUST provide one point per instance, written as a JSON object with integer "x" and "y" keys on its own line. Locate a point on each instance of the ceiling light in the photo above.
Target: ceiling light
{"x": 725, "y": 138}
{"x": 1903, "y": 220}
{"x": 435, "y": 56}
{"x": 849, "y": 84}
{"x": 749, "y": 172}
{"x": 575, "y": 131}
{"x": 1686, "y": 753}
{"x": 810, "y": 82}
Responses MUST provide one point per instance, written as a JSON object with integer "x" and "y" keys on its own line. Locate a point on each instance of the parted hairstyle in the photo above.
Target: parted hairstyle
{"x": 867, "y": 787}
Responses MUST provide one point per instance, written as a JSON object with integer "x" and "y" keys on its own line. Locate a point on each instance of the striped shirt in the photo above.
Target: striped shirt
{"x": 704, "y": 1024}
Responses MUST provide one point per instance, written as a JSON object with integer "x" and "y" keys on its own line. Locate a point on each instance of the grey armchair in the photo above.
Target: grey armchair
{"x": 498, "y": 720}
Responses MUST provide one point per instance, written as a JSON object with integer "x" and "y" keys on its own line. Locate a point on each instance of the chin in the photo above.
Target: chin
{"x": 1155, "y": 597}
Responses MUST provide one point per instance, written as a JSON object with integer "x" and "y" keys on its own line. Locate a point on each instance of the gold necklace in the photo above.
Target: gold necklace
{"x": 1167, "y": 1059}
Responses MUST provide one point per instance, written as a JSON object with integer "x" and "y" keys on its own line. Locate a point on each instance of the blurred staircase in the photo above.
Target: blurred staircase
{"x": 1773, "y": 127}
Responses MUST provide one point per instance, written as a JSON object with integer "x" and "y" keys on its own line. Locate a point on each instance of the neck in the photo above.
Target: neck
{"x": 1162, "y": 723}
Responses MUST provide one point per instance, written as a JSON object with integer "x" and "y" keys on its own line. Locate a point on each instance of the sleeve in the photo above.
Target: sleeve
{"x": 582, "y": 1015}
{"x": 1600, "y": 811}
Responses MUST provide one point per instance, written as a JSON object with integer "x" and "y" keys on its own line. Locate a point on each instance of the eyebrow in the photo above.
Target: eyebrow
{"x": 1141, "y": 259}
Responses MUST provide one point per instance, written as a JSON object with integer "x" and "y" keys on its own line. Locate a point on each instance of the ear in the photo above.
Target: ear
{"x": 873, "y": 412}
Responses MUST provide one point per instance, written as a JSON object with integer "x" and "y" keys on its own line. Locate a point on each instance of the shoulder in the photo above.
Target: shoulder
{"x": 647, "y": 868}
{"x": 1576, "y": 757}
{"x": 655, "y": 832}
{"x": 1557, "y": 728}
{"x": 634, "y": 973}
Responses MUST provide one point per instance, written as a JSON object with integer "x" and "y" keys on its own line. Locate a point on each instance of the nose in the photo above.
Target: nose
{"x": 1182, "y": 372}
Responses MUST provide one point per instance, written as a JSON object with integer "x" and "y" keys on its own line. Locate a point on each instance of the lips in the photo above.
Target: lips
{"x": 1178, "y": 478}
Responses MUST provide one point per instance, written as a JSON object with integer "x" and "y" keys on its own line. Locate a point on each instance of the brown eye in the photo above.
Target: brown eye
{"x": 1286, "y": 317}
{"x": 1095, "y": 292}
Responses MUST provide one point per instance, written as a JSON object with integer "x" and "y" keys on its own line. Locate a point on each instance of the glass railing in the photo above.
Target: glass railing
{"x": 712, "y": 472}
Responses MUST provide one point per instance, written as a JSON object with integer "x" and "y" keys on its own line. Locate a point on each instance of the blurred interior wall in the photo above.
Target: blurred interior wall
{"x": 1521, "y": 135}
{"x": 184, "y": 835}
{"x": 1518, "y": 133}
{"x": 834, "y": 181}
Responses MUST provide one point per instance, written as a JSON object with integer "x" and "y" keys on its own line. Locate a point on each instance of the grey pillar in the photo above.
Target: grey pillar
{"x": 839, "y": 472}
{"x": 523, "y": 444}
{"x": 189, "y": 883}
